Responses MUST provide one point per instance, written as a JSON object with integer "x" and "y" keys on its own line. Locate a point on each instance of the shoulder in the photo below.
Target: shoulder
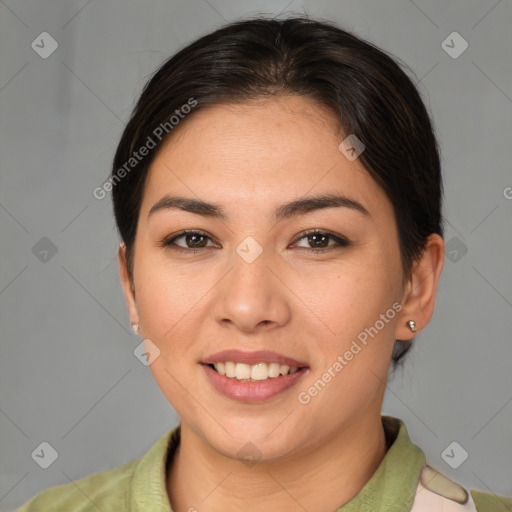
{"x": 437, "y": 492}
{"x": 136, "y": 485}
{"x": 106, "y": 491}
{"x": 487, "y": 502}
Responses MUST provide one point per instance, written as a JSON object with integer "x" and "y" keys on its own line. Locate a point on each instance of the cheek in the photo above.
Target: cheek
{"x": 353, "y": 355}
{"x": 168, "y": 301}
{"x": 169, "y": 304}
{"x": 350, "y": 296}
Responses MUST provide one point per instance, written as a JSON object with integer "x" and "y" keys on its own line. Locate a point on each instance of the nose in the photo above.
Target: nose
{"x": 253, "y": 296}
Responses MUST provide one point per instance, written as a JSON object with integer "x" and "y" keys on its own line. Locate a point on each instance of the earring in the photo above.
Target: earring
{"x": 412, "y": 325}
{"x": 135, "y": 327}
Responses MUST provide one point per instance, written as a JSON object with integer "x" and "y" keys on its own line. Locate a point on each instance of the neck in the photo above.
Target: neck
{"x": 324, "y": 478}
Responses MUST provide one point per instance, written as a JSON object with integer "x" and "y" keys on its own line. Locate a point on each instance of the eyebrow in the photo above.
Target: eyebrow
{"x": 284, "y": 211}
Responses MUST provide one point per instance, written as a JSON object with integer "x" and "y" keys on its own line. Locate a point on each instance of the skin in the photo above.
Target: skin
{"x": 249, "y": 158}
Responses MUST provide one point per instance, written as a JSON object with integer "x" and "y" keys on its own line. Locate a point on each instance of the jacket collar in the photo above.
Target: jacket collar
{"x": 392, "y": 488}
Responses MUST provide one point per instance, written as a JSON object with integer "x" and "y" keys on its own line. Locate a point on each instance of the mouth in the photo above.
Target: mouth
{"x": 252, "y": 376}
{"x": 253, "y": 373}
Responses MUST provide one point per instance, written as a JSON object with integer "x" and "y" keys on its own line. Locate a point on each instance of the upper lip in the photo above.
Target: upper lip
{"x": 260, "y": 356}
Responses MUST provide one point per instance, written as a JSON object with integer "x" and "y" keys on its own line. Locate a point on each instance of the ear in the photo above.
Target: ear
{"x": 127, "y": 284}
{"x": 420, "y": 292}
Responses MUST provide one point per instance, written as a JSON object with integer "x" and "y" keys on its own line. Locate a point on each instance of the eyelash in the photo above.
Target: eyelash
{"x": 342, "y": 242}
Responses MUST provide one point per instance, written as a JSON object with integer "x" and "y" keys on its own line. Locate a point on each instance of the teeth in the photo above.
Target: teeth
{"x": 242, "y": 371}
{"x": 273, "y": 369}
{"x": 255, "y": 372}
{"x": 230, "y": 369}
{"x": 259, "y": 371}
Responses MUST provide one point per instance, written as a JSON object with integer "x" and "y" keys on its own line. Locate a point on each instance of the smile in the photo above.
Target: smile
{"x": 253, "y": 373}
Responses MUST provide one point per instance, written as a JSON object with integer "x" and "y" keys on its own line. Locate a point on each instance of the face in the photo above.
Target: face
{"x": 259, "y": 284}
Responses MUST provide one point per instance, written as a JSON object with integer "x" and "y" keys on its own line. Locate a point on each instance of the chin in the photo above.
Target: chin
{"x": 264, "y": 439}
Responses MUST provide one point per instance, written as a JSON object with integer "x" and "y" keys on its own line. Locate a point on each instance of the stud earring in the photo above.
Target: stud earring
{"x": 412, "y": 325}
{"x": 135, "y": 327}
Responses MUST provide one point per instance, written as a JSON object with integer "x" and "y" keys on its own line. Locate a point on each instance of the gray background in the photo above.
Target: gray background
{"x": 68, "y": 374}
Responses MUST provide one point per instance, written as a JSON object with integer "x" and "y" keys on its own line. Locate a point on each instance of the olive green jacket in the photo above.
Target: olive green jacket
{"x": 403, "y": 482}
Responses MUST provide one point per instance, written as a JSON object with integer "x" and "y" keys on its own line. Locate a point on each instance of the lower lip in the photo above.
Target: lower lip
{"x": 252, "y": 392}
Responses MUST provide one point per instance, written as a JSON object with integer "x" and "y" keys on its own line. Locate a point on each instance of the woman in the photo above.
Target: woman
{"x": 278, "y": 193}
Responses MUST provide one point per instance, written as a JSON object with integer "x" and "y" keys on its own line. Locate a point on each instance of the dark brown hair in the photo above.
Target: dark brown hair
{"x": 364, "y": 87}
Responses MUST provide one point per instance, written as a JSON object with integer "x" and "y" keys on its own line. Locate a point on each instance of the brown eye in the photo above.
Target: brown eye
{"x": 194, "y": 241}
{"x": 319, "y": 241}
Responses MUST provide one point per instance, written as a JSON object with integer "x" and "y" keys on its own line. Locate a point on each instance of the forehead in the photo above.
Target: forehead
{"x": 259, "y": 152}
